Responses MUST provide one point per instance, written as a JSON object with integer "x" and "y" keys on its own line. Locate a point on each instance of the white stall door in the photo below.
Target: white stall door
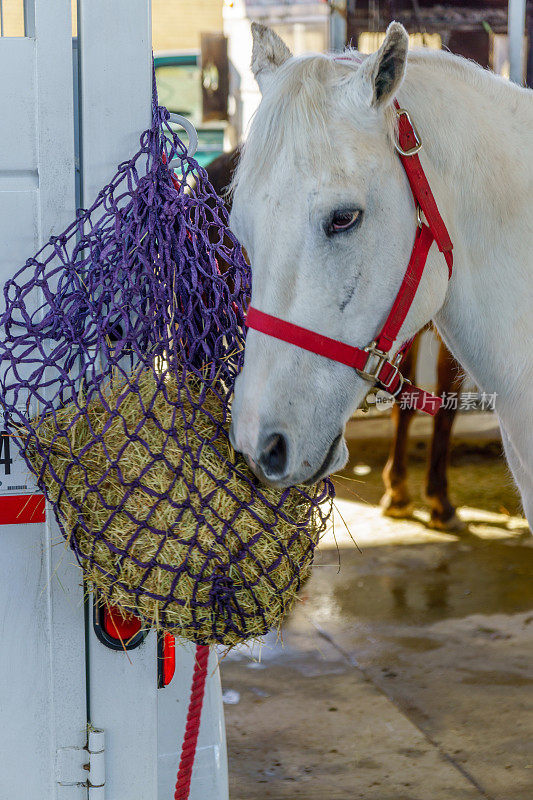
{"x": 45, "y": 656}
{"x": 42, "y": 657}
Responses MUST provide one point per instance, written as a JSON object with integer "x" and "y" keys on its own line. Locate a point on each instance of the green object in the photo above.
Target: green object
{"x": 179, "y": 86}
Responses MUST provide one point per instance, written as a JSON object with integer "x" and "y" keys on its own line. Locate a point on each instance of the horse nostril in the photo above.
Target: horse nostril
{"x": 273, "y": 457}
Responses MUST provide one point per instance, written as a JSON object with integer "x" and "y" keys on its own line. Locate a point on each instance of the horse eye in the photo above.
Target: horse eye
{"x": 343, "y": 220}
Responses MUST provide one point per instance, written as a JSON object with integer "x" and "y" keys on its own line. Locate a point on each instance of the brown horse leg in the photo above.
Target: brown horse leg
{"x": 396, "y": 502}
{"x": 449, "y": 380}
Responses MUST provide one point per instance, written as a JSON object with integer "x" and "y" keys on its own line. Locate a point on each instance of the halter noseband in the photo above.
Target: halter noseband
{"x": 373, "y": 362}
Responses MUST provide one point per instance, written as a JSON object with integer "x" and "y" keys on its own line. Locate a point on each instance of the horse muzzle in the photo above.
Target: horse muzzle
{"x": 271, "y": 462}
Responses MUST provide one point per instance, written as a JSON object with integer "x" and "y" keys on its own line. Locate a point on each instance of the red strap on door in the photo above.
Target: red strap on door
{"x": 16, "y": 509}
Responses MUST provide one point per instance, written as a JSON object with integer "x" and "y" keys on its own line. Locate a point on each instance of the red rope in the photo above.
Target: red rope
{"x": 188, "y": 750}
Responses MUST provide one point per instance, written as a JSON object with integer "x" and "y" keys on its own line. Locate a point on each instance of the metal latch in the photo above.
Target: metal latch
{"x": 84, "y": 766}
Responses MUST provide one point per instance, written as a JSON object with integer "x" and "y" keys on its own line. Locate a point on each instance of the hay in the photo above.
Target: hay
{"x": 165, "y": 520}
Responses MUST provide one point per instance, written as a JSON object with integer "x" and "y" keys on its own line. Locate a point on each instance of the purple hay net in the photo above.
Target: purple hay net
{"x": 148, "y": 278}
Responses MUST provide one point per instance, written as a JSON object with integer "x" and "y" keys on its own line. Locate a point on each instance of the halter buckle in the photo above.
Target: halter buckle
{"x": 372, "y": 373}
{"x": 418, "y": 141}
{"x": 391, "y": 379}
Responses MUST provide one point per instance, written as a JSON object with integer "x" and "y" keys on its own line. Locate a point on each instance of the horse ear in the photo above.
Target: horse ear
{"x": 383, "y": 71}
{"x": 268, "y": 53}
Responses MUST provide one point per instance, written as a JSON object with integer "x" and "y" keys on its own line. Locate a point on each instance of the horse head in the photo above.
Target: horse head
{"x": 323, "y": 207}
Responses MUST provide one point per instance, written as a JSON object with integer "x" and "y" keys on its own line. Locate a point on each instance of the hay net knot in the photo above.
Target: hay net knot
{"x": 122, "y": 339}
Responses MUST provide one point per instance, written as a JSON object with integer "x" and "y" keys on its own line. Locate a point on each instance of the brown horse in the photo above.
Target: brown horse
{"x": 396, "y": 502}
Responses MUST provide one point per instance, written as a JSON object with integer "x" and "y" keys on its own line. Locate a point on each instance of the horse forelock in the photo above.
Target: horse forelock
{"x": 299, "y": 116}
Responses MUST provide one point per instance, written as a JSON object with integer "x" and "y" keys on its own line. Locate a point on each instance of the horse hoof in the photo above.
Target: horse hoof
{"x": 395, "y": 510}
{"x": 452, "y": 524}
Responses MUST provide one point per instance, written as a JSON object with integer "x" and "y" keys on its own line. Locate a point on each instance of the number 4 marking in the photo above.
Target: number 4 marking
{"x": 5, "y": 452}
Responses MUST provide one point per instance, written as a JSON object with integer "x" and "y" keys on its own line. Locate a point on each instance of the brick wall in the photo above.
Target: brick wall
{"x": 177, "y": 24}
{"x": 13, "y": 17}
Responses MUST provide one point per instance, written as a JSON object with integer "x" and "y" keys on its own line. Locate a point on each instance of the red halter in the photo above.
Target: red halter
{"x": 372, "y": 362}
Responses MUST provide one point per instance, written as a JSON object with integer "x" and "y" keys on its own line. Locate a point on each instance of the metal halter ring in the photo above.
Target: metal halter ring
{"x": 418, "y": 141}
{"x": 178, "y": 119}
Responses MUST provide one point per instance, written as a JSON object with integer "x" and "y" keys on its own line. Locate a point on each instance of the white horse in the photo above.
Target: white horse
{"x": 323, "y": 207}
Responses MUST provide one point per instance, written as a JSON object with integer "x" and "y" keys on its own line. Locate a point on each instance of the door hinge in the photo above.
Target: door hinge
{"x": 96, "y": 748}
{"x": 84, "y": 766}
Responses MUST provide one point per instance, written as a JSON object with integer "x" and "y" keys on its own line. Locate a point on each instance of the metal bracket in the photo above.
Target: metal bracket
{"x": 71, "y": 766}
{"x": 178, "y": 119}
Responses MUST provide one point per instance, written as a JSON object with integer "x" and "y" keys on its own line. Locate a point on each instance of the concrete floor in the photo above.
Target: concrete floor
{"x": 405, "y": 673}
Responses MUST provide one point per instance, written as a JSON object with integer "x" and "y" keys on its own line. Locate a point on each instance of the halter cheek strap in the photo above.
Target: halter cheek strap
{"x": 373, "y": 362}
